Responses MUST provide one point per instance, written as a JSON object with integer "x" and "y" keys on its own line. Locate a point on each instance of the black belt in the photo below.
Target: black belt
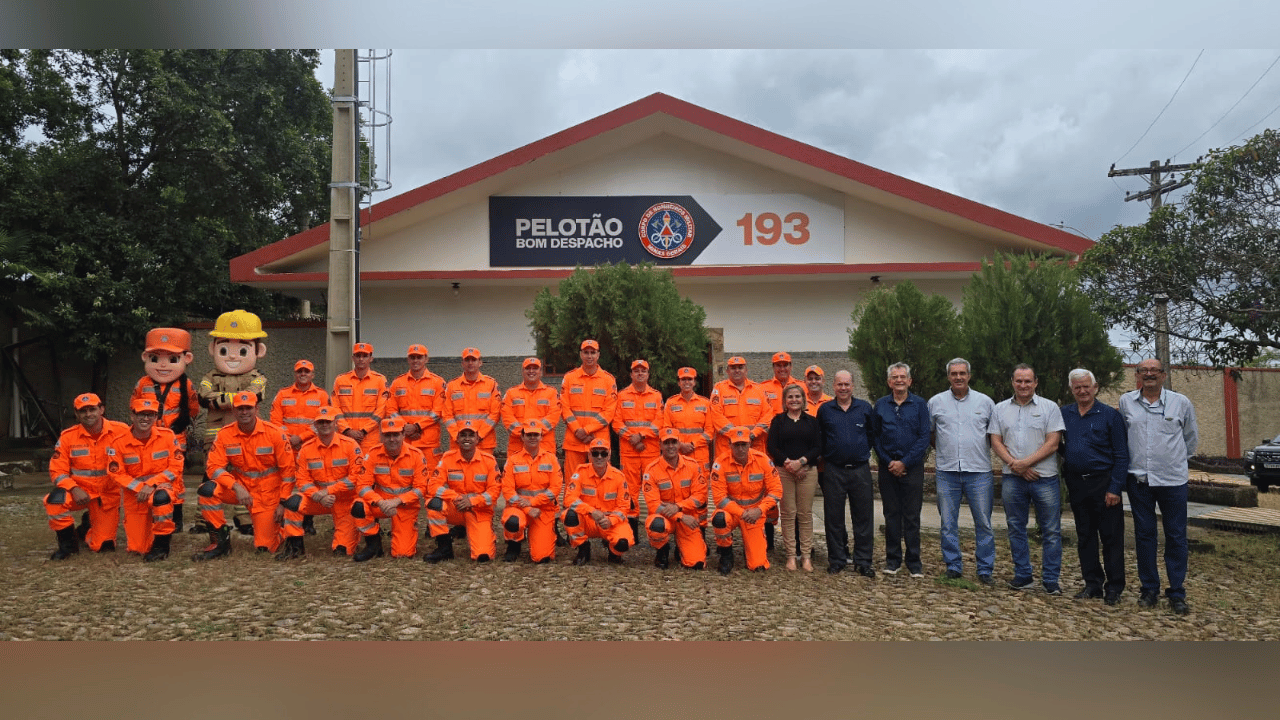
{"x": 853, "y": 466}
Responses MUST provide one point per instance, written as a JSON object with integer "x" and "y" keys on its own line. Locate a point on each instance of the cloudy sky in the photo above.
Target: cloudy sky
{"x": 1032, "y": 132}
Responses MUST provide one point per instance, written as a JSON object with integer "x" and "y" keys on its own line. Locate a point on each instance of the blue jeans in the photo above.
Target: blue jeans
{"x": 1173, "y": 513}
{"x": 1019, "y": 495}
{"x": 977, "y": 488}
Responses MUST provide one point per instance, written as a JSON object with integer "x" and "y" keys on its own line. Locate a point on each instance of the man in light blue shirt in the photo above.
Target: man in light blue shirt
{"x": 1162, "y": 436}
{"x": 1025, "y": 431}
{"x": 961, "y": 418}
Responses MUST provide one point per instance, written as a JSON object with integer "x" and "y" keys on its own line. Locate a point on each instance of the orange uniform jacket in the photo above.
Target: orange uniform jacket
{"x": 537, "y": 479}
{"x": 419, "y": 400}
{"x": 477, "y": 478}
{"x": 736, "y": 488}
{"x": 639, "y": 413}
{"x": 522, "y": 405}
{"x": 811, "y": 407}
{"x": 479, "y": 401}
{"x": 692, "y": 418}
{"x": 588, "y": 492}
{"x": 261, "y": 460}
{"x": 405, "y": 476}
{"x": 588, "y": 402}
{"x": 334, "y": 468}
{"x": 80, "y": 459}
{"x": 294, "y": 409}
{"x": 154, "y": 461}
{"x": 684, "y": 485}
{"x": 362, "y": 402}
{"x": 148, "y": 388}
{"x": 773, "y": 391}
{"x": 747, "y": 407}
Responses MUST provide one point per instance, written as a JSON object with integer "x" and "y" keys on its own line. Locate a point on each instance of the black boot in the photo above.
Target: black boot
{"x": 293, "y": 548}
{"x": 107, "y": 546}
{"x": 84, "y": 526}
{"x": 159, "y": 549}
{"x": 177, "y": 517}
{"x": 458, "y": 531}
{"x": 68, "y": 544}
{"x": 513, "y": 551}
{"x": 443, "y": 551}
{"x": 614, "y": 558}
{"x": 662, "y": 559}
{"x": 635, "y": 528}
{"x": 584, "y": 554}
{"x": 219, "y": 544}
{"x": 341, "y": 550}
{"x": 243, "y": 523}
{"x": 726, "y": 560}
{"x": 768, "y": 537}
{"x": 309, "y": 524}
{"x": 372, "y": 548}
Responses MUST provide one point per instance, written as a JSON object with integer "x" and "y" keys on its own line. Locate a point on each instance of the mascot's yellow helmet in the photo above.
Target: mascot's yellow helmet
{"x": 238, "y": 325}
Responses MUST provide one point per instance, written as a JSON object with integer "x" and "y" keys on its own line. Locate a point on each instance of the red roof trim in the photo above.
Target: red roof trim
{"x": 242, "y": 268}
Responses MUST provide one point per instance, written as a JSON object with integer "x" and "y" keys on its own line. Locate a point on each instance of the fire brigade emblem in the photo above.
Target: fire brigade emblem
{"x": 666, "y": 230}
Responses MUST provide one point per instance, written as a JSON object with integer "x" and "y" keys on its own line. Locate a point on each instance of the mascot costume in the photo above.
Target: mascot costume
{"x": 165, "y": 359}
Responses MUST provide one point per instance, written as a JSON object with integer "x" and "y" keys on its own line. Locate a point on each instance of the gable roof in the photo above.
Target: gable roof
{"x": 252, "y": 267}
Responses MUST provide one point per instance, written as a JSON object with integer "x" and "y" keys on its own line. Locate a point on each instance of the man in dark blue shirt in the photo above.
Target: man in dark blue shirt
{"x": 903, "y": 426}
{"x": 848, "y": 430}
{"x": 1095, "y": 459}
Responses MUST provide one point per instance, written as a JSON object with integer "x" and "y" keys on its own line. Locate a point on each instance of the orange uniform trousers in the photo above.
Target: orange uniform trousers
{"x": 536, "y": 479}
{"x": 156, "y": 461}
{"x": 146, "y": 387}
{"x": 80, "y": 460}
{"x": 405, "y": 477}
{"x": 476, "y": 479}
{"x": 418, "y": 401}
{"x": 332, "y": 468}
{"x": 734, "y": 490}
{"x": 263, "y": 461}
{"x": 588, "y": 492}
{"x": 686, "y": 487}
{"x": 587, "y": 402}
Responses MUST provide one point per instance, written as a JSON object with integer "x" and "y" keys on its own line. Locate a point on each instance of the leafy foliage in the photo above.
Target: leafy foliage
{"x": 632, "y": 311}
{"x": 1216, "y": 255}
{"x": 144, "y": 171}
{"x": 1020, "y": 309}
{"x": 901, "y": 324}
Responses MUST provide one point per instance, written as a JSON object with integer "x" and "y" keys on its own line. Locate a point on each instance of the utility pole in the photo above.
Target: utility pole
{"x": 344, "y": 218}
{"x": 1155, "y": 191}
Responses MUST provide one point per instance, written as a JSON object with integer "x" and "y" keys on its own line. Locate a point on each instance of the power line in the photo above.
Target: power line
{"x": 1166, "y": 107}
{"x": 1264, "y": 117}
{"x": 1233, "y": 107}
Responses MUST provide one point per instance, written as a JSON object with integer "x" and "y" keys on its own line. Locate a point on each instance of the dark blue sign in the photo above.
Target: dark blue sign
{"x": 567, "y": 231}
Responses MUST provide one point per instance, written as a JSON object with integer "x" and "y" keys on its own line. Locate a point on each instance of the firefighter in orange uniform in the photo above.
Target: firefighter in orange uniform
{"x": 361, "y": 394}
{"x": 636, "y": 423}
{"x": 393, "y": 484}
{"x": 595, "y": 506}
{"x": 675, "y": 495}
{"x": 78, "y": 469}
{"x": 531, "y": 487}
{"x": 296, "y": 406}
{"x": 146, "y": 462}
{"x": 690, "y": 415}
{"x": 814, "y": 396}
{"x": 531, "y": 400}
{"x": 329, "y": 466}
{"x": 473, "y": 396}
{"x": 743, "y": 403}
{"x": 744, "y": 488}
{"x": 464, "y": 488}
{"x": 588, "y": 402}
{"x": 166, "y": 358}
{"x": 250, "y": 464}
{"x": 417, "y": 397}
{"x": 774, "y": 386}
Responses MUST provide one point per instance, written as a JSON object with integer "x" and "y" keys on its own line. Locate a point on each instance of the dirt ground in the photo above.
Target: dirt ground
{"x": 1233, "y": 588}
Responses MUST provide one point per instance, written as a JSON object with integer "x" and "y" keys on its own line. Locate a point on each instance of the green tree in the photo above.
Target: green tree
{"x": 145, "y": 171}
{"x": 1216, "y": 255}
{"x": 1020, "y": 309}
{"x": 901, "y": 324}
{"x": 632, "y": 311}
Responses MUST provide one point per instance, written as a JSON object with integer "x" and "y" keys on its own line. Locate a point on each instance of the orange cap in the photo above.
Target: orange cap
{"x": 171, "y": 340}
{"x": 531, "y": 362}
{"x": 417, "y": 349}
{"x": 589, "y": 344}
{"x": 736, "y": 360}
{"x": 814, "y": 369}
{"x": 668, "y": 434}
{"x": 782, "y": 357}
{"x": 470, "y": 352}
{"x": 244, "y": 399}
{"x": 365, "y": 348}
{"x": 144, "y": 404}
{"x": 326, "y": 413}
{"x": 532, "y": 426}
{"x": 686, "y": 372}
{"x": 640, "y": 363}
{"x": 303, "y": 365}
{"x": 739, "y": 435}
{"x": 598, "y": 443}
{"x": 392, "y": 425}
{"x": 86, "y": 400}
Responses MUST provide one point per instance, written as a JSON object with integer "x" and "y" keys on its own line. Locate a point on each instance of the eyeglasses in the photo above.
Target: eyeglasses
{"x": 1148, "y": 371}
{"x": 599, "y": 453}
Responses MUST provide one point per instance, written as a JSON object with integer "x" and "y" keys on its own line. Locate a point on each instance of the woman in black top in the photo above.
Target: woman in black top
{"x": 794, "y": 445}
